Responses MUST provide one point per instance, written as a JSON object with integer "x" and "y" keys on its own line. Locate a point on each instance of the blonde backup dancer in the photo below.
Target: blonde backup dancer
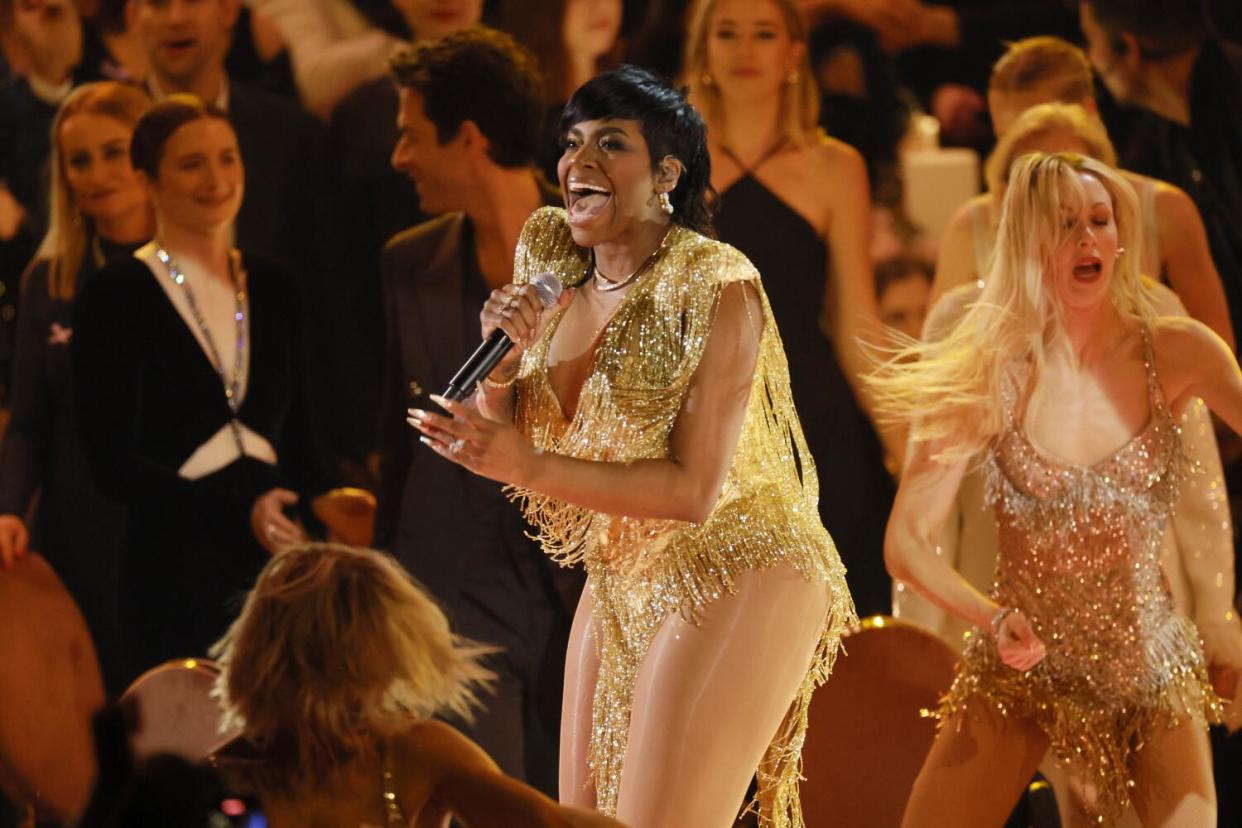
{"x": 1063, "y": 376}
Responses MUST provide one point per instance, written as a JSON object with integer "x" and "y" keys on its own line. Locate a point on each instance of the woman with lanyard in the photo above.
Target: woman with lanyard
{"x": 189, "y": 363}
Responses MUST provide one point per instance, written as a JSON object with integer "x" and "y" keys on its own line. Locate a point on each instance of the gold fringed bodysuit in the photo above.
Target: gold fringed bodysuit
{"x": 1079, "y": 555}
{"x": 641, "y": 569}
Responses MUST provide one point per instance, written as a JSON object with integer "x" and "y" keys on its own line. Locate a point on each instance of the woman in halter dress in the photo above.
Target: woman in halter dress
{"x": 796, "y": 203}
{"x": 649, "y": 430}
{"x": 1078, "y": 648}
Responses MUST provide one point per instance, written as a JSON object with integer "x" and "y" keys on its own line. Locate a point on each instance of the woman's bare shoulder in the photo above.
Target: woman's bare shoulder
{"x": 433, "y": 742}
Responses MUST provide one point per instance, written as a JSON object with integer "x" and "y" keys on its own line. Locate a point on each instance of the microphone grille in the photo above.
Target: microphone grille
{"x": 548, "y": 288}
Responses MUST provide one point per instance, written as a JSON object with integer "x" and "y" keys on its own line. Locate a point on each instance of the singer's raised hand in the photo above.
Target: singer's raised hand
{"x": 516, "y": 310}
{"x": 495, "y": 450}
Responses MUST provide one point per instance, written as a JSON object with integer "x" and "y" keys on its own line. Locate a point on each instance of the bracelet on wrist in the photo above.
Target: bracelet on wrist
{"x": 490, "y": 383}
{"x": 999, "y": 617}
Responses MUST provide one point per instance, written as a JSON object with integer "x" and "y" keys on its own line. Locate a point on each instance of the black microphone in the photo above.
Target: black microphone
{"x": 481, "y": 363}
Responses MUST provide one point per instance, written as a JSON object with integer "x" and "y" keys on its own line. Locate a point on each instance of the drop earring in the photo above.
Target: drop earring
{"x": 666, "y": 204}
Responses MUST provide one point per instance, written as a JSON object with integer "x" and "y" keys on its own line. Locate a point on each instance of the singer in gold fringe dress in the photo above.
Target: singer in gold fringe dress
{"x": 716, "y": 600}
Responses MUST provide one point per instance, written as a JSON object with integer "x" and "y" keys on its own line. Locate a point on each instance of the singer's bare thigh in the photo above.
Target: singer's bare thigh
{"x": 581, "y": 675}
{"x": 710, "y": 696}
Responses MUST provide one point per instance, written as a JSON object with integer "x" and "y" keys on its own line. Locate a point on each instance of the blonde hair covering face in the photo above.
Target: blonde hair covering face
{"x": 335, "y": 648}
{"x": 1042, "y": 119}
{"x": 799, "y": 101}
{"x": 949, "y": 390}
{"x": 64, "y": 245}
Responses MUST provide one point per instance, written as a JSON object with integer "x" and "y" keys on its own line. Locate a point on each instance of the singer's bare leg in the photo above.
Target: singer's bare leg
{"x": 581, "y": 673}
{"x": 710, "y": 697}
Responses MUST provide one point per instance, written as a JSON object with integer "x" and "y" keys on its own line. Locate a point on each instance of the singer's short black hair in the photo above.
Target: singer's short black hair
{"x": 671, "y": 126}
{"x": 479, "y": 75}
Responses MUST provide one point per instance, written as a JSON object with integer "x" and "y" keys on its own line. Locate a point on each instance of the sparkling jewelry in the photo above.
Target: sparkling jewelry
{"x": 666, "y": 204}
{"x": 457, "y": 445}
{"x": 999, "y": 617}
{"x": 503, "y": 384}
{"x": 604, "y": 284}
{"x": 232, "y": 384}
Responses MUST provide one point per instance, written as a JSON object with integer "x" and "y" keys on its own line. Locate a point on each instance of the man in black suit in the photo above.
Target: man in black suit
{"x": 469, "y": 126}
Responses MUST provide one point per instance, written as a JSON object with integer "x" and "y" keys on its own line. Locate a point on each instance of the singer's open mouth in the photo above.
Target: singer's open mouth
{"x": 587, "y": 200}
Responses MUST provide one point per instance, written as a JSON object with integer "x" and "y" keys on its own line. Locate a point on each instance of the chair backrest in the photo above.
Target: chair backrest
{"x": 176, "y": 713}
{"x": 869, "y": 735}
{"x": 50, "y": 687}
{"x": 349, "y": 515}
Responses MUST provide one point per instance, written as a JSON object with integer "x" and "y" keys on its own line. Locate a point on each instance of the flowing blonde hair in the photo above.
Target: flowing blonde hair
{"x": 799, "y": 101}
{"x": 64, "y": 245}
{"x": 950, "y": 390}
{"x": 1038, "y": 120}
{"x": 335, "y": 648}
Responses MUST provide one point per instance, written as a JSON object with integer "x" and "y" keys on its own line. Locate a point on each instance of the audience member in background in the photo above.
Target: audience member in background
{"x": 284, "y": 215}
{"x": 1160, "y": 56}
{"x": 99, "y": 211}
{"x": 335, "y": 669}
{"x": 1178, "y": 247}
{"x": 335, "y": 48}
{"x": 189, "y": 369}
{"x": 1041, "y": 70}
{"x": 569, "y": 55}
{"x": 46, "y": 45}
{"x": 797, "y": 204}
{"x": 471, "y": 106}
{"x": 373, "y": 202}
{"x": 902, "y": 290}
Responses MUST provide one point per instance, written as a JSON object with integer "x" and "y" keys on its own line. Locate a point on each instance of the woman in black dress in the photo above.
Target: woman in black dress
{"x": 99, "y": 210}
{"x": 796, "y": 202}
{"x": 189, "y": 364}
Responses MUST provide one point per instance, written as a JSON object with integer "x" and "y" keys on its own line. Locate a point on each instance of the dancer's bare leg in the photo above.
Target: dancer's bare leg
{"x": 979, "y": 764}
{"x": 581, "y": 674}
{"x": 710, "y": 696}
{"x": 1076, "y": 797}
{"x": 1173, "y": 786}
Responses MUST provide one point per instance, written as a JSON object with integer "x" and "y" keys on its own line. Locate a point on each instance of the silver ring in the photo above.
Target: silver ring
{"x": 457, "y": 445}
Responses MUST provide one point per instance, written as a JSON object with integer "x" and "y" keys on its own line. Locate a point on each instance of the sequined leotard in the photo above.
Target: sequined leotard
{"x": 1079, "y": 555}
{"x": 642, "y": 570}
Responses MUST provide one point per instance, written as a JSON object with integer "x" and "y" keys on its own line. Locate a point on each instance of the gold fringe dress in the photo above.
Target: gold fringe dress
{"x": 643, "y": 569}
{"x": 1080, "y": 556}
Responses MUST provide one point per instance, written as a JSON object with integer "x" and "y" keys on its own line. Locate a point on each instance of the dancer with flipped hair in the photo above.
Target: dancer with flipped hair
{"x": 1078, "y": 647}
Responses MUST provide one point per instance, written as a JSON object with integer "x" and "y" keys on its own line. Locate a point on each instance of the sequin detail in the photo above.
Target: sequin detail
{"x": 643, "y": 570}
{"x": 1080, "y": 555}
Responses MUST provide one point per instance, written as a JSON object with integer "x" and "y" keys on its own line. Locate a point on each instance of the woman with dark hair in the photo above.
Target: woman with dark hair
{"x": 99, "y": 211}
{"x": 646, "y": 425}
{"x": 188, "y": 362}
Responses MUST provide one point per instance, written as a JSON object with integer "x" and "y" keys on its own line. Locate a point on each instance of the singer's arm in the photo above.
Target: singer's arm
{"x": 685, "y": 486}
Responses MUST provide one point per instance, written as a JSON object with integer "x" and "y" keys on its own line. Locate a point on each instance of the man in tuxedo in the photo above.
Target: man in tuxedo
{"x": 469, "y": 119}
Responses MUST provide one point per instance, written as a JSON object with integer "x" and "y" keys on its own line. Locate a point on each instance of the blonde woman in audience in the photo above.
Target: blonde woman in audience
{"x": 797, "y": 203}
{"x": 1042, "y": 70}
{"x": 1078, "y": 647}
{"x": 335, "y": 670}
{"x": 99, "y": 212}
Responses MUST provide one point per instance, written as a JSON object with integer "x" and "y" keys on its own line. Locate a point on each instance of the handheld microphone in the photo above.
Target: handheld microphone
{"x": 481, "y": 363}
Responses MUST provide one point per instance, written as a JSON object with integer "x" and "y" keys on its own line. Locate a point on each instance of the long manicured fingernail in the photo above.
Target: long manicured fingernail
{"x": 426, "y": 441}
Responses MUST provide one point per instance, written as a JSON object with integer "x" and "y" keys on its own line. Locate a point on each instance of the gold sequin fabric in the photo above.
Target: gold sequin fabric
{"x": 642, "y": 570}
{"x": 1079, "y": 555}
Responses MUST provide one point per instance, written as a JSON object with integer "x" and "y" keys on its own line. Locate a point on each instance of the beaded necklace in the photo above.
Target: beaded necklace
{"x": 232, "y": 385}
